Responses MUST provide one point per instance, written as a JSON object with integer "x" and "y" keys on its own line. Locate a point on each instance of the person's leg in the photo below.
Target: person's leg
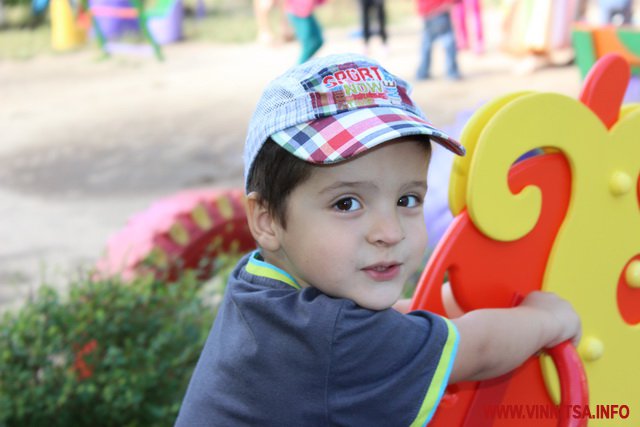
{"x": 286, "y": 32}
{"x": 424, "y": 69}
{"x": 382, "y": 20}
{"x": 627, "y": 13}
{"x": 261, "y": 10}
{"x": 315, "y": 38}
{"x": 449, "y": 42}
{"x": 365, "y": 16}
{"x": 609, "y": 9}
{"x": 309, "y": 34}
{"x": 622, "y": 13}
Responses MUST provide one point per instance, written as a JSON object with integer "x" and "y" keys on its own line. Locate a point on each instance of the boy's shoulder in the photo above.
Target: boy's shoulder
{"x": 259, "y": 290}
{"x": 306, "y": 343}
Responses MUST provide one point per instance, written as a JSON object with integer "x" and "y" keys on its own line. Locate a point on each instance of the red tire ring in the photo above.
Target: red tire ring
{"x": 184, "y": 231}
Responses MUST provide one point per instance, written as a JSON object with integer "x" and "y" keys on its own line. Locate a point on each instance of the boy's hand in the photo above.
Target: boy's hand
{"x": 563, "y": 321}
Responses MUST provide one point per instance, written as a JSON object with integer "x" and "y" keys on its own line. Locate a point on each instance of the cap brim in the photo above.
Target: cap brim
{"x": 341, "y": 136}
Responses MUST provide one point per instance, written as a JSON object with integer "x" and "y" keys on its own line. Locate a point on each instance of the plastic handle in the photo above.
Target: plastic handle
{"x": 574, "y": 391}
{"x": 573, "y": 383}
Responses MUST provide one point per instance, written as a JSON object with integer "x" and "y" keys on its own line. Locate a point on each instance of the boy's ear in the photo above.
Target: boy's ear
{"x": 262, "y": 225}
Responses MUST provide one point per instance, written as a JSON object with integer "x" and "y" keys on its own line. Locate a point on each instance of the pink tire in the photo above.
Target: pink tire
{"x": 186, "y": 231}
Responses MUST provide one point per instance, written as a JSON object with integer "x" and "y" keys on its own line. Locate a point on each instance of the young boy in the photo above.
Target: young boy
{"x": 335, "y": 167}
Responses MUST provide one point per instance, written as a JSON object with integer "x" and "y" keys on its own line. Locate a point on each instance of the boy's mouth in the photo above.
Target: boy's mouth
{"x": 383, "y": 272}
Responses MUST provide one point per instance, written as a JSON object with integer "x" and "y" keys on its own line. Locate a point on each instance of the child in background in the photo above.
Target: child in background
{"x": 305, "y": 26}
{"x": 540, "y": 32}
{"x": 366, "y": 8}
{"x": 336, "y": 161}
{"x": 436, "y": 15}
{"x": 266, "y": 36}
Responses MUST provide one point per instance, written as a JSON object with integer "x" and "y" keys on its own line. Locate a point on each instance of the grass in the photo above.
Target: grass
{"x": 233, "y": 27}
{"x": 226, "y": 22}
{"x": 21, "y": 44}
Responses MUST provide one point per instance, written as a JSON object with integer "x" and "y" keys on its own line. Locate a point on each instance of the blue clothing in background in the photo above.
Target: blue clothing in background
{"x": 309, "y": 33}
{"x": 438, "y": 27}
{"x": 611, "y": 8}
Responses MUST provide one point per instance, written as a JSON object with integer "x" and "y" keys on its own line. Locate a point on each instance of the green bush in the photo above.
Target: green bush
{"x": 110, "y": 354}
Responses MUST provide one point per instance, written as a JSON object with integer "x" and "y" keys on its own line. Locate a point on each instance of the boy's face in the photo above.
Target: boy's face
{"x": 356, "y": 229}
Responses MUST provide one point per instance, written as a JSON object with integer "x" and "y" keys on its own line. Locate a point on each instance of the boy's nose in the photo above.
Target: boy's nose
{"x": 385, "y": 230}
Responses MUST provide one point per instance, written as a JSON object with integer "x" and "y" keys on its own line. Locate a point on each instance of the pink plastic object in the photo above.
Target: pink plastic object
{"x": 459, "y": 15}
{"x": 573, "y": 383}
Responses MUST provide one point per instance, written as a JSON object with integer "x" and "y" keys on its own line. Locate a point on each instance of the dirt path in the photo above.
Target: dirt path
{"x": 87, "y": 143}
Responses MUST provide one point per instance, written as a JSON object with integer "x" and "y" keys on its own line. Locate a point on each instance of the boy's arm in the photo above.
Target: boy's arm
{"x": 496, "y": 341}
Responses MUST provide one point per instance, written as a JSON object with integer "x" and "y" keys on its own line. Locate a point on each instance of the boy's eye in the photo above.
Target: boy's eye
{"x": 408, "y": 201}
{"x": 347, "y": 204}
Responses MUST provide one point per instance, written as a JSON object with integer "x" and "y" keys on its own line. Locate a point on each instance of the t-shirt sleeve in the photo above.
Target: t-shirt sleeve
{"x": 388, "y": 368}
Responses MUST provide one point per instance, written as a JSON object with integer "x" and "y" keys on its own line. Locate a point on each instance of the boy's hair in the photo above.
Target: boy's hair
{"x": 274, "y": 175}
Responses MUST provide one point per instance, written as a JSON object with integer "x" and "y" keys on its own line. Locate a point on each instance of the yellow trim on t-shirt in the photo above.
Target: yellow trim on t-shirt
{"x": 259, "y": 267}
{"x": 440, "y": 377}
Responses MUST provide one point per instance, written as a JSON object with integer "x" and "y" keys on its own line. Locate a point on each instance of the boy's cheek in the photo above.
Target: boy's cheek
{"x": 420, "y": 243}
{"x": 418, "y": 231}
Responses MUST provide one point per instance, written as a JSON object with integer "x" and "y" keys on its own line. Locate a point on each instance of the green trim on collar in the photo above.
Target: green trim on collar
{"x": 258, "y": 267}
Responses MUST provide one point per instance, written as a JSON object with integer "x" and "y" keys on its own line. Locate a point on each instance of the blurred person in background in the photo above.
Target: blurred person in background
{"x": 305, "y": 26}
{"x": 539, "y": 31}
{"x": 367, "y": 7}
{"x": 436, "y": 15}
{"x": 262, "y": 9}
{"x": 617, "y": 12}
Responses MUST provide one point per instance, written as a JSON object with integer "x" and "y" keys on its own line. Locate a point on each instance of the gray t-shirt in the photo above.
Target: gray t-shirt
{"x": 282, "y": 356}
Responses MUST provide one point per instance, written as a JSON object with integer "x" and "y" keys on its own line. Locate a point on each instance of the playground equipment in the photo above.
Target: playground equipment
{"x": 68, "y": 30}
{"x": 165, "y": 21}
{"x": 111, "y": 19}
{"x": 593, "y": 42}
{"x": 566, "y": 220}
{"x": 160, "y": 24}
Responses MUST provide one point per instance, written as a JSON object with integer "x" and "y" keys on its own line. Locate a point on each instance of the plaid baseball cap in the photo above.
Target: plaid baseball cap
{"x": 330, "y": 109}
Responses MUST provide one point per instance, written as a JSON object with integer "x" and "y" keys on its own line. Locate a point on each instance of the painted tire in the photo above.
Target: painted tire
{"x": 188, "y": 230}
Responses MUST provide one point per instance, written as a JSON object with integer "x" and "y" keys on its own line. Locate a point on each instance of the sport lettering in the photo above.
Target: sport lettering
{"x": 352, "y": 75}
